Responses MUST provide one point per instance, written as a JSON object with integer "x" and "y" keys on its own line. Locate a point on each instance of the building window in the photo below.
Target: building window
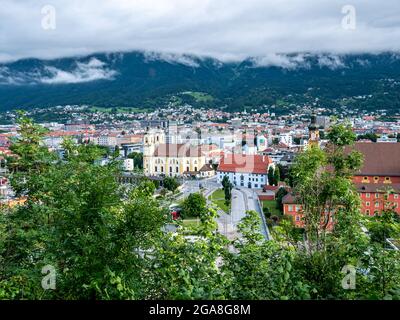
{"x": 387, "y": 180}
{"x": 170, "y": 169}
{"x": 155, "y": 169}
{"x": 297, "y": 218}
{"x": 365, "y": 180}
{"x": 162, "y": 169}
{"x": 187, "y": 169}
{"x": 367, "y": 204}
{"x": 256, "y": 185}
{"x": 396, "y": 195}
{"x": 376, "y": 195}
{"x": 377, "y": 204}
{"x": 367, "y": 212}
{"x": 177, "y": 169}
{"x": 376, "y": 179}
{"x": 368, "y": 195}
{"x": 290, "y": 208}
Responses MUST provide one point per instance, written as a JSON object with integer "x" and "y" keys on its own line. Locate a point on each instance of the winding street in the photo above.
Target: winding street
{"x": 243, "y": 199}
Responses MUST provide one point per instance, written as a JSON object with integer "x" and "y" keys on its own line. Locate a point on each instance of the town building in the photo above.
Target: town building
{"x": 160, "y": 158}
{"x": 248, "y": 171}
{"x": 377, "y": 182}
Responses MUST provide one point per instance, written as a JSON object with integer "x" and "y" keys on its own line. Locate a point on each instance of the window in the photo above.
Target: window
{"x": 367, "y": 203}
{"x": 368, "y": 195}
{"x": 376, "y": 179}
{"x": 187, "y": 169}
{"x": 297, "y": 218}
{"x": 365, "y": 180}
{"x": 256, "y": 185}
{"x": 376, "y": 195}
{"x": 290, "y": 208}
{"x": 396, "y": 195}
{"x": 177, "y": 169}
{"x": 367, "y": 212}
{"x": 170, "y": 169}
{"x": 297, "y": 208}
{"x": 377, "y": 204}
{"x": 387, "y": 180}
{"x": 155, "y": 169}
{"x": 162, "y": 169}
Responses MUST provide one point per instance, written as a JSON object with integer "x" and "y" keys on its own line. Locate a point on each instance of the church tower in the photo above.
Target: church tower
{"x": 313, "y": 132}
{"x": 151, "y": 140}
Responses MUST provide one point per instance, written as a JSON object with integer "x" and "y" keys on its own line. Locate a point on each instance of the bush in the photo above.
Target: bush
{"x": 195, "y": 205}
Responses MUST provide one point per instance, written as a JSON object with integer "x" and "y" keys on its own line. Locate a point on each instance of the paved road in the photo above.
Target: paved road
{"x": 243, "y": 199}
{"x": 253, "y": 204}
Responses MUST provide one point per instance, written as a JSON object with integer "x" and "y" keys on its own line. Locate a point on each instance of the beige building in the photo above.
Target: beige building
{"x": 160, "y": 158}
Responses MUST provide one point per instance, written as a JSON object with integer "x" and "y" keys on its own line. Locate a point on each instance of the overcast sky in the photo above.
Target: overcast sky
{"x": 224, "y": 29}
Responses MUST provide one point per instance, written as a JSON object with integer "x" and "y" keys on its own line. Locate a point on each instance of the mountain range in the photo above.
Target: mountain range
{"x": 148, "y": 80}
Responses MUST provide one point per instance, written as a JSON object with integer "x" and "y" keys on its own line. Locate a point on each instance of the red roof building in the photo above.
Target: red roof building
{"x": 245, "y": 170}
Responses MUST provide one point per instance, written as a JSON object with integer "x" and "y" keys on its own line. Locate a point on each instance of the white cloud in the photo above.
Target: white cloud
{"x": 332, "y": 62}
{"x": 171, "y": 58}
{"x": 224, "y": 29}
{"x": 93, "y": 70}
{"x": 282, "y": 60}
{"x": 84, "y": 72}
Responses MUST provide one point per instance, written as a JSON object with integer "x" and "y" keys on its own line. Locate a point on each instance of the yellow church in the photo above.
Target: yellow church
{"x": 160, "y": 158}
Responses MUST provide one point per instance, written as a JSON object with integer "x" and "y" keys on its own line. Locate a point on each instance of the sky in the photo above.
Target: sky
{"x": 228, "y": 30}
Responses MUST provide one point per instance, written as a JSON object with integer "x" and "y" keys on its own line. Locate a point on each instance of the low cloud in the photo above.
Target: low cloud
{"x": 229, "y": 30}
{"x": 171, "y": 58}
{"x": 84, "y": 72}
{"x": 284, "y": 61}
{"x": 332, "y": 62}
{"x": 89, "y": 71}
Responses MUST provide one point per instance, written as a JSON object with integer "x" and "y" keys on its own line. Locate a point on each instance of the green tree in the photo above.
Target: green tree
{"x": 227, "y": 187}
{"x": 77, "y": 219}
{"x": 279, "y": 197}
{"x": 137, "y": 159}
{"x": 170, "y": 183}
{"x": 271, "y": 180}
{"x": 194, "y": 205}
{"x": 277, "y": 176}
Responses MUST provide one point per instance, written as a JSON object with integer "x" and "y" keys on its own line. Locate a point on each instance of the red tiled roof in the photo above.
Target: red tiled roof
{"x": 177, "y": 150}
{"x": 244, "y": 163}
{"x": 380, "y": 159}
{"x": 377, "y": 188}
{"x": 289, "y": 199}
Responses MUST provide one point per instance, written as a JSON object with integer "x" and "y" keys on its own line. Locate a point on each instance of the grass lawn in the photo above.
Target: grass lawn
{"x": 190, "y": 222}
{"x": 218, "y": 198}
{"x": 200, "y": 96}
{"x": 271, "y": 205}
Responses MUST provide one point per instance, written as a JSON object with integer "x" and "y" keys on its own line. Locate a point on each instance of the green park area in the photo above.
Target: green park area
{"x": 272, "y": 207}
{"x": 218, "y": 198}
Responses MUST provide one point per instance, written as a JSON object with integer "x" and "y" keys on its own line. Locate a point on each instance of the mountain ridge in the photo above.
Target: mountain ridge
{"x": 143, "y": 79}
